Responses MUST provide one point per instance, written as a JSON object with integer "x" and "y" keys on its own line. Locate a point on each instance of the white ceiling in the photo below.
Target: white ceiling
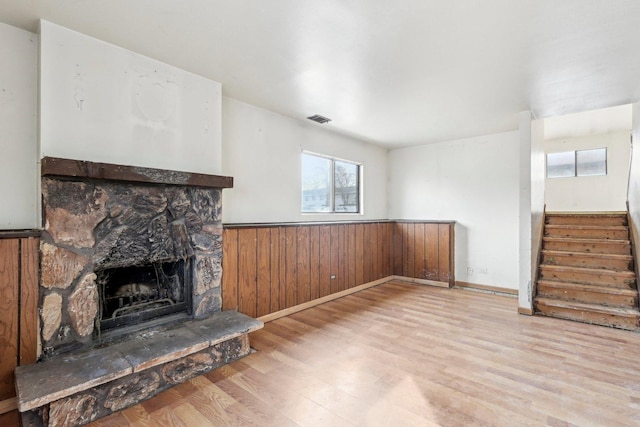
{"x": 605, "y": 120}
{"x": 396, "y": 73}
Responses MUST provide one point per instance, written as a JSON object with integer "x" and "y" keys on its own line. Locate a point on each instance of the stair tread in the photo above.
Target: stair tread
{"x": 589, "y": 240}
{"x": 587, "y": 288}
{"x": 585, "y": 227}
{"x": 614, "y": 214}
{"x": 600, "y": 271}
{"x": 587, "y": 254}
{"x": 617, "y": 311}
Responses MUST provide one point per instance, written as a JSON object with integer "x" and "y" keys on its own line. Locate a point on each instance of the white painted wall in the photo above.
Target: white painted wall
{"x": 532, "y": 193}
{"x": 103, "y": 103}
{"x": 262, "y": 151}
{"x": 591, "y": 193}
{"x": 18, "y": 129}
{"x": 634, "y": 180}
{"x": 474, "y": 182}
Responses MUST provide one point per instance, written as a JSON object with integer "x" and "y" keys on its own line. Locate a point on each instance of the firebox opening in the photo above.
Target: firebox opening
{"x": 135, "y": 295}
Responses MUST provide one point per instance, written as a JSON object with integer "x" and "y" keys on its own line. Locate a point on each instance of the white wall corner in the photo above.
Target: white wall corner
{"x": 524, "y": 212}
{"x": 633, "y": 194}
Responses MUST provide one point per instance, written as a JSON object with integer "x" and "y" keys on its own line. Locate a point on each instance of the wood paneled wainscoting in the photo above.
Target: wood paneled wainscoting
{"x": 270, "y": 270}
{"x": 18, "y": 309}
{"x": 423, "y": 250}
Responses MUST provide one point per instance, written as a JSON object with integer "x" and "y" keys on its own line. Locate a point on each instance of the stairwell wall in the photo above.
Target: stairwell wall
{"x": 633, "y": 191}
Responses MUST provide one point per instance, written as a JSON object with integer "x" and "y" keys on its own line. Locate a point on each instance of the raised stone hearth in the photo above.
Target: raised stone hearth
{"x": 130, "y": 291}
{"x": 75, "y": 389}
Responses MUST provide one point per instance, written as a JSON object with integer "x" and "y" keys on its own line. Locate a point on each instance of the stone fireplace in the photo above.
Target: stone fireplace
{"x": 130, "y": 289}
{"x": 118, "y": 253}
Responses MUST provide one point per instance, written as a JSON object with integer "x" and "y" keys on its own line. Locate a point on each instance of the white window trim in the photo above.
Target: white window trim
{"x": 333, "y": 159}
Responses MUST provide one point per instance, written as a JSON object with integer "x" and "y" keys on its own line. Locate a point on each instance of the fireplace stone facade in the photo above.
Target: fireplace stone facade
{"x": 110, "y": 217}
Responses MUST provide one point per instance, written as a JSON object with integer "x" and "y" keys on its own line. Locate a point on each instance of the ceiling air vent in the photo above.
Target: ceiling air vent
{"x": 319, "y": 119}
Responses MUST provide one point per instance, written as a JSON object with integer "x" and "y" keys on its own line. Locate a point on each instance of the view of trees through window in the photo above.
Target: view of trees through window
{"x": 329, "y": 185}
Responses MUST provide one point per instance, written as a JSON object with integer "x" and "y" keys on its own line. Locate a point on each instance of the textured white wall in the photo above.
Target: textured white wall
{"x": 262, "y": 151}
{"x": 18, "y": 129}
{"x": 591, "y": 193}
{"x": 103, "y": 103}
{"x": 475, "y": 182}
{"x": 634, "y": 178}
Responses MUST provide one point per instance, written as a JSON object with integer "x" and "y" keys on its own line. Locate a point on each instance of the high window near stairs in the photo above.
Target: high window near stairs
{"x": 577, "y": 163}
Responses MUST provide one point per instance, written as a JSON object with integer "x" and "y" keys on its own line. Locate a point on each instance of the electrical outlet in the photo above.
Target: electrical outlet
{"x": 469, "y": 271}
{"x": 483, "y": 270}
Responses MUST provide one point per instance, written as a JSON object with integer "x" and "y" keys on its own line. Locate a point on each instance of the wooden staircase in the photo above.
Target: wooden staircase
{"x": 586, "y": 270}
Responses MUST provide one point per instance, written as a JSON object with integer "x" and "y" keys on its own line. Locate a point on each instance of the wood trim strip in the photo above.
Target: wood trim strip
{"x": 68, "y": 168}
{"x": 421, "y": 281}
{"x": 18, "y": 234}
{"x": 525, "y": 311}
{"x": 8, "y": 405}
{"x": 488, "y": 288}
{"x": 302, "y": 223}
{"x": 322, "y": 300}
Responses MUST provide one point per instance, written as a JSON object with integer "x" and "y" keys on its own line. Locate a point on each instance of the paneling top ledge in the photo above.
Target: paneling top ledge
{"x": 53, "y": 166}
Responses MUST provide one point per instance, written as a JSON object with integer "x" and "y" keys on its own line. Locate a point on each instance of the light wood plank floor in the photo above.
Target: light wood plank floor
{"x": 402, "y": 354}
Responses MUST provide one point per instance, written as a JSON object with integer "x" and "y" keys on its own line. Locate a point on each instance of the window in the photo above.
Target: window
{"x": 330, "y": 185}
{"x": 577, "y": 163}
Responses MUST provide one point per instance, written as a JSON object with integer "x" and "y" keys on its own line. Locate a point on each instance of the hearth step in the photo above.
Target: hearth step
{"x": 622, "y": 318}
{"x": 75, "y": 389}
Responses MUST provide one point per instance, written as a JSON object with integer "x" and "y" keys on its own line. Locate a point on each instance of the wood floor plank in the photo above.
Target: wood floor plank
{"x": 406, "y": 354}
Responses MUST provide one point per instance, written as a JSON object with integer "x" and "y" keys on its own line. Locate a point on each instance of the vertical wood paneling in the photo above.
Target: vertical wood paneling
{"x": 419, "y": 270}
{"x": 9, "y": 267}
{"x": 314, "y": 262}
{"x": 282, "y": 237}
{"x": 335, "y": 258}
{"x": 275, "y": 269}
{"x": 382, "y": 245}
{"x": 410, "y": 246}
{"x": 359, "y": 254}
{"x": 304, "y": 270}
{"x": 431, "y": 251}
{"x": 247, "y": 266}
{"x": 397, "y": 249}
{"x": 230, "y": 269}
{"x": 375, "y": 247}
{"x": 29, "y": 300}
{"x": 271, "y": 268}
{"x": 366, "y": 261}
{"x": 405, "y": 250}
{"x": 325, "y": 260}
{"x": 444, "y": 275}
{"x": 292, "y": 268}
{"x": 391, "y": 240}
{"x": 264, "y": 271}
{"x": 351, "y": 243}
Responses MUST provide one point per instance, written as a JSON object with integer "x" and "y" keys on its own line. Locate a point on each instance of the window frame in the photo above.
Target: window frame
{"x": 332, "y": 185}
{"x": 575, "y": 163}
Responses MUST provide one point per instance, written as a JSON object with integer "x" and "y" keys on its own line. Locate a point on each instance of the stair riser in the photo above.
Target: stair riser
{"x": 587, "y": 262}
{"x": 611, "y": 281}
{"x": 622, "y": 322}
{"x": 587, "y": 234}
{"x": 599, "y": 221}
{"x": 595, "y": 248}
{"x": 610, "y": 300}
